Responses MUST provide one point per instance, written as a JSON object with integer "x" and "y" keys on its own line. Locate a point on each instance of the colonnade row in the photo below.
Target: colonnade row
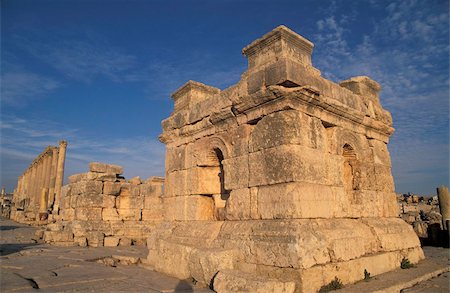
{"x": 38, "y": 190}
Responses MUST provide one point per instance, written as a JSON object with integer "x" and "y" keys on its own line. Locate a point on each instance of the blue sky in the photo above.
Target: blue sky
{"x": 99, "y": 73}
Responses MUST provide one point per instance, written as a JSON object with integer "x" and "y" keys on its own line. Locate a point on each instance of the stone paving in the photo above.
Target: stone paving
{"x": 27, "y": 266}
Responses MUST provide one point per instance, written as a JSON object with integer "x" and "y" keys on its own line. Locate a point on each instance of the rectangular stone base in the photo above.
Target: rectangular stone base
{"x": 309, "y": 252}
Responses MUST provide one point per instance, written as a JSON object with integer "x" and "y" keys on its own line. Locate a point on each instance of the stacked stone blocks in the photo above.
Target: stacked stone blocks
{"x": 287, "y": 171}
{"x": 101, "y": 208}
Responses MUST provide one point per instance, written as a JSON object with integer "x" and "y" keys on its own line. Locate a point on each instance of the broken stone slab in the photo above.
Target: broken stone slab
{"x": 105, "y": 168}
{"x": 77, "y": 177}
{"x": 107, "y": 177}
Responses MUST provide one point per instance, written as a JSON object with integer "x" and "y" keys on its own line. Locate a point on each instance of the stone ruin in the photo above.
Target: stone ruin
{"x": 280, "y": 183}
{"x": 38, "y": 191}
{"x": 101, "y": 208}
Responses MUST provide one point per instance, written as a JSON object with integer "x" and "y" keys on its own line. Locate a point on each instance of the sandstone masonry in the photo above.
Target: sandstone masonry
{"x": 101, "y": 208}
{"x": 280, "y": 183}
{"x": 284, "y": 178}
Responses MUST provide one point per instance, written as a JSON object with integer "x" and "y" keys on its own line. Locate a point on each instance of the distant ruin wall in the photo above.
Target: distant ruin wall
{"x": 38, "y": 189}
{"x": 101, "y": 208}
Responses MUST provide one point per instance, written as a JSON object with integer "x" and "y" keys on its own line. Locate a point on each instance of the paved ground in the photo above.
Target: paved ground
{"x": 27, "y": 266}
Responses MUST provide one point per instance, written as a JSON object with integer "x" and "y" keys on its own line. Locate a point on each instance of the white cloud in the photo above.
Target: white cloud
{"x": 405, "y": 54}
{"x": 19, "y": 87}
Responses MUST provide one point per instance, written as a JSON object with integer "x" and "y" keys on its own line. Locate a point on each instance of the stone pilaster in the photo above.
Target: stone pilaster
{"x": 60, "y": 173}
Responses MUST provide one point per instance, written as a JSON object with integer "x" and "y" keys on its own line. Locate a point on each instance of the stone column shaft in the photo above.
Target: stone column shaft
{"x": 444, "y": 204}
{"x": 47, "y": 169}
{"x": 33, "y": 184}
{"x": 51, "y": 189}
{"x": 60, "y": 173}
{"x": 40, "y": 182}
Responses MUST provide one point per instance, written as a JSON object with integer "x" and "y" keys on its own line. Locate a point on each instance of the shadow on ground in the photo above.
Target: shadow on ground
{"x": 183, "y": 287}
{"x": 10, "y": 248}
{"x": 6, "y": 228}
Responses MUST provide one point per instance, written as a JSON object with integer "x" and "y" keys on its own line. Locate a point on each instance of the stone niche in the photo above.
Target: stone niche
{"x": 281, "y": 182}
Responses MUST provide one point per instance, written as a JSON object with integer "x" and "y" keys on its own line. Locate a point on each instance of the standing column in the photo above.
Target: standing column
{"x": 40, "y": 182}
{"x": 47, "y": 168}
{"x": 51, "y": 189}
{"x": 33, "y": 185}
{"x": 27, "y": 184}
{"x": 444, "y": 205}
{"x": 43, "y": 215}
{"x": 60, "y": 173}
{"x": 43, "y": 208}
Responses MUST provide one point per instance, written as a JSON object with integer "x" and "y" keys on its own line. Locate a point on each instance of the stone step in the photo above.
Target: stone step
{"x": 400, "y": 279}
{"x": 237, "y": 281}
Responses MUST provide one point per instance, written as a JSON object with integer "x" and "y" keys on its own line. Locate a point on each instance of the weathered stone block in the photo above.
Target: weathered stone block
{"x": 393, "y": 233}
{"x": 204, "y": 264}
{"x": 58, "y": 236}
{"x": 287, "y": 164}
{"x": 110, "y": 214}
{"x": 86, "y": 200}
{"x": 128, "y": 189}
{"x": 238, "y": 205}
{"x": 287, "y": 127}
{"x": 105, "y": 168}
{"x": 135, "y": 180}
{"x": 380, "y": 152}
{"x": 85, "y": 187}
{"x": 80, "y": 241}
{"x": 77, "y": 177}
{"x": 112, "y": 188}
{"x": 237, "y": 281}
{"x": 235, "y": 173}
{"x": 111, "y": 241}
{"x": 68, "y": 214}
{"x": 151, "y": 190}
{"x": 170, "y": 258}
{"x": 295, "y": 200}
{"x": 109, "y": 201}
{"x": 175, "y": 158}
{"x": 176, "y": 183}
{"x": 203, "y": 180}
{"x": 124, "y": 241}
{"x": 193, "y": 207}
{"x": 152, "y": 202}
{"x": 130, "y": 202}
{"x": 88, "y": 214}
{"x": 108, "y": 177}
{"x": 154, "y": 214}
{"x": 95, "y": 239}
{"x": 129, "y": 214}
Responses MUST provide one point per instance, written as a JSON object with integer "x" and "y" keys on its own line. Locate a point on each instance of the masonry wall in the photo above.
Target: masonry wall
{"x": 101, "y": 208}
{"x": 273, "y": 177}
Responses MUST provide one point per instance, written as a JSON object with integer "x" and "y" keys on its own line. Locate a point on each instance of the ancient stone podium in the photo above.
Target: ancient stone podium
{"x": 280, "y": 182}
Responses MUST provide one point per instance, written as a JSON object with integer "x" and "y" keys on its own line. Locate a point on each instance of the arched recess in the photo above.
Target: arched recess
{"x": 350, "y": 169}
{"x": 213, "y": 173}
